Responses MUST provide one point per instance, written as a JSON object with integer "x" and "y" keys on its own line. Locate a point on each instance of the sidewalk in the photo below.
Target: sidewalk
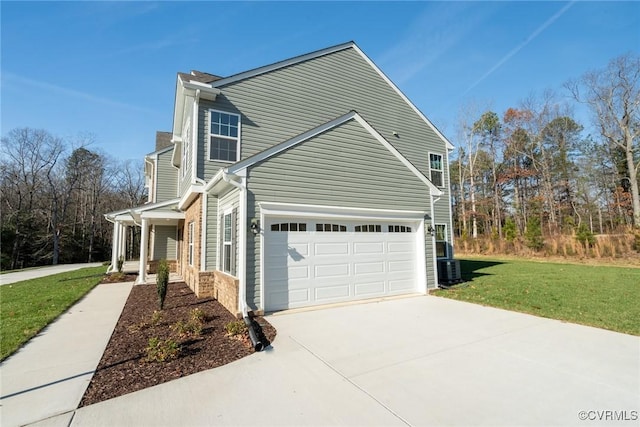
{"x": 44, "y": 381}
{"x": 33, "y": 273}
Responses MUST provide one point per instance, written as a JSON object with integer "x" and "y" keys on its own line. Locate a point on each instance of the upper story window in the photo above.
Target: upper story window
{"x": 436, "y": 169}
{"x": 224, "y": 136}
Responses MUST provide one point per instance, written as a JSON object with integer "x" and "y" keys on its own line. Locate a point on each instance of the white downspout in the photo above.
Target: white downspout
{"x": 433, "y": 239}
{"x": 242, "y": 238}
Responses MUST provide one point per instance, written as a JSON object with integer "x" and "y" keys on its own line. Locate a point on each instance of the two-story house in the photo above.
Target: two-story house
{"x": 310, "y": 181}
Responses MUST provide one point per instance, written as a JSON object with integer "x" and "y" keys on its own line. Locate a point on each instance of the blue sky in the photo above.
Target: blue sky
{"x": 109, "y": 68}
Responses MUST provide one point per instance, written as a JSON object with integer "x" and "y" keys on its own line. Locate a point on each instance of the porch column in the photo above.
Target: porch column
{"x": 115, "y": 247}
{"x": 144, "y": 242}
{"x": 122, "y": 242}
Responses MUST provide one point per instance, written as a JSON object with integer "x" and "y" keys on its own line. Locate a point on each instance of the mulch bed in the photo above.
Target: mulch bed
{"x": 124, "y": 369}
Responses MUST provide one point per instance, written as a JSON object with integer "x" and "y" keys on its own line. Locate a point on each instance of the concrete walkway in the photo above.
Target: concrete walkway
{"x": 412, "y": 361}
{"x": 33, "y": 273}
{"x": 44, "y": 381}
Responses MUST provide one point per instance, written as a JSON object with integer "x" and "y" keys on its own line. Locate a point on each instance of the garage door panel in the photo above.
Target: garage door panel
{"x": 400, "y": 266}
{"x": 332, "y": 292}
{"x": 368, "y": 267}
{"x": 406, "y": 285}
{"x": 331, "y": 249}
{"x": 369, "y": 288}
{"x": 360, "y": 248}
{"x": 331, "y": 270}
{"x": 316, "y": 267}
{"x": 400, "y": 247}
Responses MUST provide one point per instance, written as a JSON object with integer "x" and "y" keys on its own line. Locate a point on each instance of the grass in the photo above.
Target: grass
{"x": 27, "y": 307}
{"x": 601, "y": 296}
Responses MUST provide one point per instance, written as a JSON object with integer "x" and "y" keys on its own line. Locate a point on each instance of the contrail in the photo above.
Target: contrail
{"x": 518, "y": 48}
{"x": 73, "y": 93}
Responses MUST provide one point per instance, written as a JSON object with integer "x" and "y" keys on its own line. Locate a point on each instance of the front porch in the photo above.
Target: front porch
{"x": 133, "y": 267}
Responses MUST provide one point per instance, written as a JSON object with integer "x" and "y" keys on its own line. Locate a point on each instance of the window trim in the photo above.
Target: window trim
{"x": 212, "y": 135}
{"x": 441, "y": 170}
{"x": 227, "y": 244}
{"x": 190, "y": 243}
{"x": 445, "y": 241}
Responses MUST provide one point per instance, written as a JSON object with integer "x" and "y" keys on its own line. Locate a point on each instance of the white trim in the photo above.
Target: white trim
{"x": 289, "y": 209}
{"x": 162, "y": 215}
{"x": 210, "y": 134}
{"x": 402, "y": 95}
{"x": 441, "y": 170}
{"x": 203, "y": 232}
{"x": 352, "y": 115}
{"x": 190, "y": 195}
{"x": 227, "y": 210}
{"x": 191, "y": 235}
{"x": 449, "y": 204}
{"x": 194, "y": 136}
{"x": 447, "y": 255}
{"x": 281, "y": 64}
{"x": 415, "y": 218}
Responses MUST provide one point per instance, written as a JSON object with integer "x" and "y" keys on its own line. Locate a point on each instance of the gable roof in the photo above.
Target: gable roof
{"x": 352, "y": 115}
{"x": 316, "y": 54}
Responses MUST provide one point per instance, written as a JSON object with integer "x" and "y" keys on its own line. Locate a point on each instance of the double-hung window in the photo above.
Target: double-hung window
{"x": 436, "y": 169}
{"x": 441, "y": 240}
{"x": 192, "y": 229}
{"x": 224, "y": 136}
{"x": 227, "y": 243}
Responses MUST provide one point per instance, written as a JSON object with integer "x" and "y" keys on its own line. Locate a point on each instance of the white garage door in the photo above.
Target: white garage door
{"x": 320, "y": 261}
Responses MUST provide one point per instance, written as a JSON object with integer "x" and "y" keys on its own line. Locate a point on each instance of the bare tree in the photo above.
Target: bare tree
{"x": 613, "y": 96}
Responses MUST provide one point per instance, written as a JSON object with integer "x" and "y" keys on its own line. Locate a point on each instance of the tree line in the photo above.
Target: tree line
{"x": 532, "y": 171}
{"x": 54, "y": 194}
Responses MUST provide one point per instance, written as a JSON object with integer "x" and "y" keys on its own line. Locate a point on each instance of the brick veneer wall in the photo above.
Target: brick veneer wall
{"x": 216, "y": 284}
{"x": 152, "y": 266}
{"x": 191, "y": 273}
{"x": 222, "y": 287}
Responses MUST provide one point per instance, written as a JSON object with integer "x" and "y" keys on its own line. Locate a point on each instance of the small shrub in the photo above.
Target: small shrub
{"x": 120, "y": 263}
{"x": 162, "y": 281}
{"x": 237, "y": 327}
{"x": 161, "y": 350}
{"x": 191, "y": 329}
{"x": 156, "y": 317}
{"x": 198, "y": 315}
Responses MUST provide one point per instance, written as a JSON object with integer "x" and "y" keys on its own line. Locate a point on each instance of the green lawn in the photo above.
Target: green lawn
{"x": 27, "y": 307}
{"x": 600, "y": 296}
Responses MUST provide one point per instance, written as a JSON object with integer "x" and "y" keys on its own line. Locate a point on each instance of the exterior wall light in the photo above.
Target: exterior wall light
{"x": 255, "y": 228}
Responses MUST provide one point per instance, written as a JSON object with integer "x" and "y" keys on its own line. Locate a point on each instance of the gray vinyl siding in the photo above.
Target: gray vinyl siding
{"x": 186, "y": 179}
{"x": 279, "y": 105}
{"x": 212, "y": 233}
{"x": 167, "y": 178}
{"x": 345, "y": 166}
{"x": 165, "y": 242}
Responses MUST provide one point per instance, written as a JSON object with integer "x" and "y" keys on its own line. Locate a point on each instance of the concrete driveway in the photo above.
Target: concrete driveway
{"x": 32, "y": 273}
{"x": 411, "y": 361}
